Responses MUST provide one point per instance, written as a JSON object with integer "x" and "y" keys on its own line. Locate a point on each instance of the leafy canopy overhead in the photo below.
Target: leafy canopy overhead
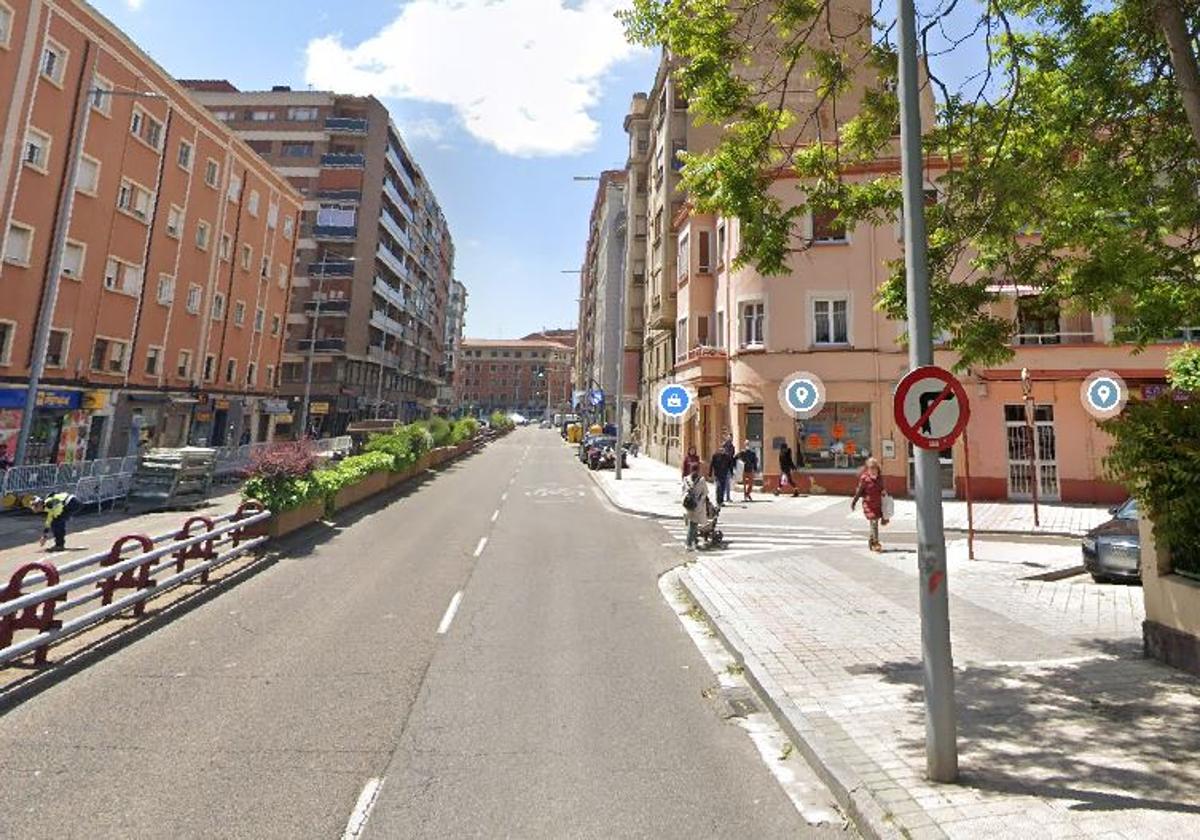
{"x": 1066, "y": 166}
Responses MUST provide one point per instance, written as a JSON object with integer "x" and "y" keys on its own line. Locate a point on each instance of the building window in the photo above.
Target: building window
{"x": 120, "y": 276}
{"x": 73, "y": 256}
{"x": 54, "y": 63}
{"x": 296, "y": 150}
{"x": 271, "y": 383}
{"x": 720, "y": 328}
{"x": 681, "y": 338}
{"x": 108, "y": 355}
{"x": 302, "y": 114}
{"x": 272, "y": 215}
{"x": 251, "y": 370}
{"x": 183, "y": 367}
{"x": 752, "y": 318}
{"x": 265, "y": 268}
{"x": 134, "y": 199}
{"x": 683, "y": 258}
{"x": 6, "y": 20}
{"x": 185, "y": 155}
{"x": 218, "y": 306}
{"x": 7, "y": 330}
{"x": 210, "y": 367}
{"x": 56, "y": 350}
{"x": 252, "y": 204}
{"x": 289, "y": 225}
{"x": 830, "y": 321}
{"x": 193, "y": 298}
{"x": 275, "y": 323}
{"x": 704, "y": 245}
{"x": 247, "y": 256}
{"x": 239, "y": 313}
{"x": 203, "y": 235}
{"x": 837, "y": 438}
{"x": 262, "y": 116}
{"x": 226, "y": 246}
{"x": 166, "y": 289}
{"x": 146, "y": 128}
{"x": 226, "y": 116}
{"x": 231, "y": 371}
{"x": 88, "y": 179}
{"x": 260, "y": 317}
{"x": 1037, "y": 321}
{"x": 283, "y": 276}
{"x": 212, "y": 173}
{"x": 175, "y": 222}
{"x": 827, "y": 227}
{"x": 37, "y": 150}
{"x": 235, "y": 188}
{"x": 153, "y": 360}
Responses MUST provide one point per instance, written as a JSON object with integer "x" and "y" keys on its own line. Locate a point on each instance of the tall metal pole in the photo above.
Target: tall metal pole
{"x": 619, "y": 399}
{"x": 41, "y": 335}
{"x": 312, "y": 345}
{"x": 941, "y": 752}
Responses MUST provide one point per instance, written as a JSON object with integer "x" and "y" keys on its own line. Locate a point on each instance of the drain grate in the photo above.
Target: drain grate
{"x": 737, "y": 701}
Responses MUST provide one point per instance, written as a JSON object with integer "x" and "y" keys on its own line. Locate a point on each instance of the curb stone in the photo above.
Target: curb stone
{"x": 624, "y": 508}
{"x": 872, "y": 818}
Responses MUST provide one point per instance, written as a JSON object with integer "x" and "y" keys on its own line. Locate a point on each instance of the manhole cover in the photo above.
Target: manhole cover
{"x": 738, "y": 702}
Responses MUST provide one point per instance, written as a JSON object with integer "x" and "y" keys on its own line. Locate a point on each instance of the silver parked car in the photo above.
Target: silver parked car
{"x": 1113, "y": 551}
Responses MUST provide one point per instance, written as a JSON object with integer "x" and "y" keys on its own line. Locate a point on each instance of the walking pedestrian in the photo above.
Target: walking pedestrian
{"x": 787, "y": 469}
{"x": 871, "y": 490}
{"x": 727, "y": 444}
{"x": 749, "y": 459}
{"x": 59, "y": 508}
{"x": 695, "y": 504}
{"x": 720, "y": 467}
{"x": 690, "y": 460}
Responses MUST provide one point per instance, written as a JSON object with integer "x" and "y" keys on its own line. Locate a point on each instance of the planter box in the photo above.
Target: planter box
{"x": 357, "y": 492}
{"x": 395, "y": 479}
{"x": 288, "y": 521}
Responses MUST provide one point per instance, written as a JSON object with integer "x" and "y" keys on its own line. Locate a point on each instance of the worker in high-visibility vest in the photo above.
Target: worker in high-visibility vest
{"x": 59, "y": 508}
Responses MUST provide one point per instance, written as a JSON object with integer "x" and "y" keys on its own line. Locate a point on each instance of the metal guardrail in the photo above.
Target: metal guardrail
{"x": 134, "y": 562}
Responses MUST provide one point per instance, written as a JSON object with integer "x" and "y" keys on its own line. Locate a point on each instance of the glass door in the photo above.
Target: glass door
{"x": 1028, "y": 457}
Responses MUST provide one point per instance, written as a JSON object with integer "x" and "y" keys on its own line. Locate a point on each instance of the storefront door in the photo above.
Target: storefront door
{"x": 95, "y": 437}
{"x": 754, "y": 433}
{"x": 1023, "y": 461}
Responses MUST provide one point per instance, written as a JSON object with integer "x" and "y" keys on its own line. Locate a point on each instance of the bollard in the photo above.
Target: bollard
{"x": 135, "y": 578}
{"x": 39, "y": 617}
{"x": 247, "y": 532}
{"x": 200, "y": 551}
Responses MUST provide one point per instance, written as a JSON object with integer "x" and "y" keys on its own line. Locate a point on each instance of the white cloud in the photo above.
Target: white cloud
{"x": 520, "y": 74}
{"x": 134, "y": 4}
{"x": 422, "y": 129}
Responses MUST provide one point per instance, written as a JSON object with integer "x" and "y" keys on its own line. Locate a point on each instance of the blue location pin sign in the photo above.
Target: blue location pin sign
{"x": 802, "y": 395}
{"x": 1104, "y": 394}
{"x": 675, "y": 401}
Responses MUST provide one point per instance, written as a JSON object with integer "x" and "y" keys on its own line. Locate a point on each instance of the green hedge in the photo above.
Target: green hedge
{"x": 500, "y": 421}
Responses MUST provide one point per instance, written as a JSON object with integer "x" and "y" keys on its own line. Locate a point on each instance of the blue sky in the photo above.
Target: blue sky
{"x": 517, "y": 218}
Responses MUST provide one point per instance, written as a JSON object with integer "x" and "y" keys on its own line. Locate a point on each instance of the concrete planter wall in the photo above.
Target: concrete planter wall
{"x": 395, "y": 479}
{"x": 355, "y": 493}
{"x": 296, "y": 518}
{"x": 1171, "y": 631}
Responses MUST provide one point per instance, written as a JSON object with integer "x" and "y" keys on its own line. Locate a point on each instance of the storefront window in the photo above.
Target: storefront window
{"x": 838, "y": 438}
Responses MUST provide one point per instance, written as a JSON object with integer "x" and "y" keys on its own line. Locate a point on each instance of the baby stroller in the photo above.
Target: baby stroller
{"x": 708, "y": 531}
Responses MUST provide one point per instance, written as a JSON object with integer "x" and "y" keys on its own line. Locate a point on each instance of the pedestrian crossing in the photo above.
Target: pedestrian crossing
{"x": 741, "y": 540}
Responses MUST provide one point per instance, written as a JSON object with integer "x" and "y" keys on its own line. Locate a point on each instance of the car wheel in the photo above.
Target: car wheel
{"x": 1098, "y": 578}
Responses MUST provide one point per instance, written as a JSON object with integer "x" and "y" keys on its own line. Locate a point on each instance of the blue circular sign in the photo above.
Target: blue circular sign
{"x": 802, "y": 395}
{"x": 674, "y": 401}
{"x": 1104, "y": 394}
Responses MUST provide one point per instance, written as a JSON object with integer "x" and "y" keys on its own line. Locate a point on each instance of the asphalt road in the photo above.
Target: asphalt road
{"x": 558, "y": 697}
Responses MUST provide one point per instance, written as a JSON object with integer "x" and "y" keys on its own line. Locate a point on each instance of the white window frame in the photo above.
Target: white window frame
{"x": 289, "y": 227}
{"x": 292, "y": 114}
{"x": 253, "y": 202}
{"x": 191, "y": 155}
{"x": 239, "y": 312}
{"x": 112, "y": 342}
{"x": 134, "y": 190}
{"x": 263, "y": 115}
{"x": 76, "y": 275}
{"x": 270, "y": 376}
{"x": 7, "y": 344}
{"x": 283, "y": 275}
{"x": 234, "y": 193}
{"x": 743, "y": 342}
{"x": 212, "y": 173}
{"x": 217, "y": 311}
{"x": 720, "y": 337}
{"x": 247, "y": 256}
{"x": 264, "y": 269}
{"x": 25, "y": 260}
{"x": 810, "y": 233}
{"x": 63, "y": 56}
{"x": 230, "y": 371}
{"x": 272, "y": 215}
{"x": 176, "y": 212}
{"x": 102, "y": 95}
{"x": 154, "y": 351}
{"x": 204, "y": 226}
{"x": 210, "y": 368}
{"x": 169, "y": 285}
{"x": 44, "y": 143}
{"x": 94, "y": 189}
{"x": 9, "y": 16}
{"x": 831, "y": 298}
{"x": 681, "y": 338}
{"x": 195, "y": 298}
{"x": 184, "y": 361}
{"x": 251, "y": 374}
{"x": 683, "y": 255}
{"x": 276, "y": 324}
{"x": 66, "y": 348}
{"x": 226, "y": 252}
{"x": 120, "y": 276}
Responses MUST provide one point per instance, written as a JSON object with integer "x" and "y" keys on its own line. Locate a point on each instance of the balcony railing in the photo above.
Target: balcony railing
{"x": 378, "y": 354}
{"x": 322, "y": 345}
{"x": 397, "y": 199}
{"x": 333, "y": 160}
{"x": 328, "y": 307}
{"x": 340, "y": 195}
{"x": 393, "y": 262}
{"x": 337, "y": 233}
{"x": 389, "y": 293}
{"x": 1050, "y": 339}
{"x": 331, "y": 269}
{"x": 346, "y": 125}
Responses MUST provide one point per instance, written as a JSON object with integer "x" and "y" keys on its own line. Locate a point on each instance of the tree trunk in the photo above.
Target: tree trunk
{"x": 1168, "y": 14}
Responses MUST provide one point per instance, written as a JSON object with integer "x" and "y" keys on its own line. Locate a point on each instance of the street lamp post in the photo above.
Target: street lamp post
{"x": 62, "y": 227}
{"x": 312, "y": 340}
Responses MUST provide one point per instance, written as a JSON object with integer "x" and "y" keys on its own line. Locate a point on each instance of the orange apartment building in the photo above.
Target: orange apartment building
{"x": 171, "y": 310}
{"x": 530, "y": 375}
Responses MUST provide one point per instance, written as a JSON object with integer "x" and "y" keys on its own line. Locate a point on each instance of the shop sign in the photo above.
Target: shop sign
{"x": 221, "y": 404}
{"x": 318, "y": 408}
{"x": 274, "y": 405}
{"x": 95, "y": 400}
{"x": 284, "y": 419}
{"x": 48, "y": 398}
{"x": 204, "y": 416}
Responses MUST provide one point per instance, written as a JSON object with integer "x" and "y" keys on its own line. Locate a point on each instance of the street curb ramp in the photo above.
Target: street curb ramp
{"x": 870, "y": 816}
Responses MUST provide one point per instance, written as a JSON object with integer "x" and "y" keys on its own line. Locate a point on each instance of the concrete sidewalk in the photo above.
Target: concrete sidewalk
{"x": 654, "y": 488}
{"x": 91, "y": 532}
{"x": 1064, "y": 729}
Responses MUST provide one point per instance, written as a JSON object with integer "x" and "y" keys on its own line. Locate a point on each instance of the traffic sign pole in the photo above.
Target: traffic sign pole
{"x": 941, "y": 751}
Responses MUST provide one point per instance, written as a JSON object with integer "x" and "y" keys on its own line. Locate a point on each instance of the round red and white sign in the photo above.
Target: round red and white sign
{"x": 931, "y": 407}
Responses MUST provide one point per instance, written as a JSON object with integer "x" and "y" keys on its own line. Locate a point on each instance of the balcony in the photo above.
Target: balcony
{"x": 398, "y": 200}
{"x": 334, "y": 160}
{"x": 378, "y": 354}
{"x": 335, "y": 233}
{"x": 331, "y": 268}
{"x": 331, "y": 308}
{"x": 393, "y": 228}
{"x": 381, "y": 320}
{"x": 346, "y": 125}
{"x": 322, "y": 345}
{"x": 339, "y": 195}
{"x": 389, "y": 293}
{"x": 393, "y": 262}
{"x": 403, "y": 175}
{"x": 1052, "y": 339}
{"x": 703, "y": 366}
{"x": 662, "y": 313}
